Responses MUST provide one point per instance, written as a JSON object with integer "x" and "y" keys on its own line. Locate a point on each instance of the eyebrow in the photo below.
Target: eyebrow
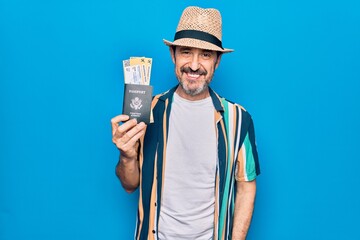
{"x": 184, "y": 48}
{"x": 189, "y": 48}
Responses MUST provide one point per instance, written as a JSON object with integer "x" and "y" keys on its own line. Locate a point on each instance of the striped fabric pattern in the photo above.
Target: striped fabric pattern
{"x": 237, "y": 154}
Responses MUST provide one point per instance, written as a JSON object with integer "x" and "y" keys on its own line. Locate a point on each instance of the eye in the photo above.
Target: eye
{"x": 185, "y": 52}
{"x": 207, "y": 55}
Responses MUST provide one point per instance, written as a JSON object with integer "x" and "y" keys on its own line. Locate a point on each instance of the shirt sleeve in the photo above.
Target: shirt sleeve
{"x": 247, "y": 161}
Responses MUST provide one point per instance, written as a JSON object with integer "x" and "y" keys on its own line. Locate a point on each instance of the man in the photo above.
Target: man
{"x": 197, "y": 162}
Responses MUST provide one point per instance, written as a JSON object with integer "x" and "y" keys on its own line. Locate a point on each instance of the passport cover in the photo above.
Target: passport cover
{"x": 137, "y": 102}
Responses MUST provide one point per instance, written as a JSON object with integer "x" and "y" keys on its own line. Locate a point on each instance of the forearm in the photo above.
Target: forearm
{"x": 126, "y": 137}
{"x": 127, "y": 171}
{"x": 244, "y": 206}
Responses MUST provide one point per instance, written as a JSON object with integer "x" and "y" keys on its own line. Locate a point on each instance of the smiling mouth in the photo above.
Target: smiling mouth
{"x": 193, "y": 74}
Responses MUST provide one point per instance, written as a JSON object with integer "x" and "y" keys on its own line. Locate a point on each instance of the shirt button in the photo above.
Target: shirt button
{"x": 153, "y": 231}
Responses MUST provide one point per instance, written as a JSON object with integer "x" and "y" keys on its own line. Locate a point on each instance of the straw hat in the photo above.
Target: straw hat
{"x": 199, "y": 28}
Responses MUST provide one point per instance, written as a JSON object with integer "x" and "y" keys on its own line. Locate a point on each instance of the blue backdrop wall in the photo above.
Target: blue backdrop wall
{"x": 296, "y": 69}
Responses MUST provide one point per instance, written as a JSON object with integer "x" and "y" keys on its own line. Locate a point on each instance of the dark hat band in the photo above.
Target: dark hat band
{"x": 198, "y": 35}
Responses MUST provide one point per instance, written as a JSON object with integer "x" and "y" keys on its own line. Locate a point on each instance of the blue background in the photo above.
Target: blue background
{"x": 296, "y": 69}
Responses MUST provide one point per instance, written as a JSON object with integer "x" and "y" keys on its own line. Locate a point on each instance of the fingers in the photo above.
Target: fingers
{"x": 126, "y": 135}
{"x": 128, "y": 143}
{"x": 128, "y": 130}
{"x": 116, "y": 121}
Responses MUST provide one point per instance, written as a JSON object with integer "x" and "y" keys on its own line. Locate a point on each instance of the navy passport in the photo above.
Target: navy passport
{"x": 137, "y": 102}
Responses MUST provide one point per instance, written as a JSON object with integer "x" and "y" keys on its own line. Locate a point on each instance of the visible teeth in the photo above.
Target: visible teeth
{"x": 194, "y": 75}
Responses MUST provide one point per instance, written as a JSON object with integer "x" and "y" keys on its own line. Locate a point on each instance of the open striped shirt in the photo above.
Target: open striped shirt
{"x": 237, "y": 161}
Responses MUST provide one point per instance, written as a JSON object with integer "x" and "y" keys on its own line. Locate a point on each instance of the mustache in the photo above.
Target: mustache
{"x": 189, "y": 70}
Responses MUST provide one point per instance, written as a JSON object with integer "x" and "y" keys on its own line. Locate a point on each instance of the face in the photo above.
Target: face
{"x": 194, "y": 68}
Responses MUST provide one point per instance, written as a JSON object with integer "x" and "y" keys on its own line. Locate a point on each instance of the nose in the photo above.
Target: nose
{"x": 194, "y": 64}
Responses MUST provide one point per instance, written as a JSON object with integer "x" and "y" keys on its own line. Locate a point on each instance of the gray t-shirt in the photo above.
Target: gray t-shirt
{"x": 188, "y": 198}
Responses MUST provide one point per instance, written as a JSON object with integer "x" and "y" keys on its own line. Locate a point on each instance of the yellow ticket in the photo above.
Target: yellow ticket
{"x": 148, "y": 64}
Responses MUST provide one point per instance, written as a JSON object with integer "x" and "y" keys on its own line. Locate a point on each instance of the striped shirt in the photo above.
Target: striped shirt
{"x": 237, "y": 161}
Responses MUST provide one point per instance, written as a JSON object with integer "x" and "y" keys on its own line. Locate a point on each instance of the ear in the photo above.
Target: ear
{"x": 172, "y": 53}
{"x": 218, "y": 60}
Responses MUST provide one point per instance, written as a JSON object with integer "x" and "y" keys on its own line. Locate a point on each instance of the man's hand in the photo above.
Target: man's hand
{"x": 126, "y": 138}
{"x": 126, "y": 135}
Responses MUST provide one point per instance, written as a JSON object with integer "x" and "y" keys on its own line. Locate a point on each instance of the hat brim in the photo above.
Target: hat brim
{"x": 195, "y": 43}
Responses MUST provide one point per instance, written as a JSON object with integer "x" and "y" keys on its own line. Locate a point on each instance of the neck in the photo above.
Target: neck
{"x": 204, "y": 94}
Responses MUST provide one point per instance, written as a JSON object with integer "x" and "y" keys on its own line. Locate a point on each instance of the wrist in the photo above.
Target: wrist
{"x": 127, "y": 159}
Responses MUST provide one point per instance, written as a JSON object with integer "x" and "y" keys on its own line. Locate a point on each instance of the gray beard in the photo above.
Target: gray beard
{"x": 195, "y": 91}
